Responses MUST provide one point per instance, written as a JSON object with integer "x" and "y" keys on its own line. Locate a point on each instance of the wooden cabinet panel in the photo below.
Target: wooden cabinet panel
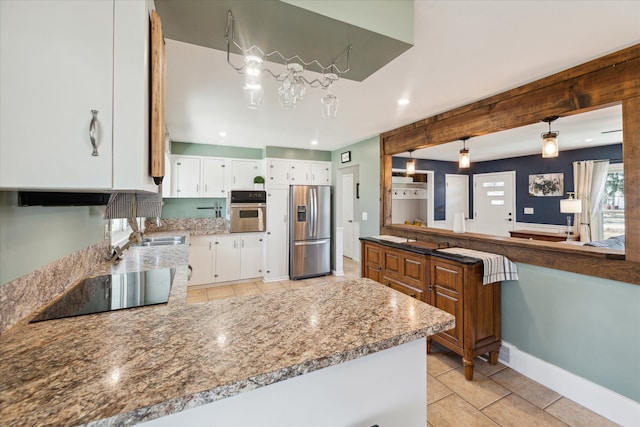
{"x": 446, "y": 294}
{"x": 372, "y": 262}
{"x": 403, "y": 271}
{"x": 457, "y": 288}
{"x": 404, "y": 288}
{"x": 414, "y": 269}
{"x": 391, "y": 261}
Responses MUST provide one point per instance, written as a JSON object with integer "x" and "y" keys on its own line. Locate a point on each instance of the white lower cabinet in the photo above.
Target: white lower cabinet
{"x": 201, "y": 259}
{"x": 251, "y": 249}
{"x": 224, "y": 258}
{"x": 227, "y": 259}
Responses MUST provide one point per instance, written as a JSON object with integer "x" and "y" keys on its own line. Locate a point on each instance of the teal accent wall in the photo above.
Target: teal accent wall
{"x": 366, "y": 155}
{"x": 210, "y": 150}
{"x": 585, "y": 325}
{"x": 32, "y": 237}
{"x": 188, "y": 207}
{"x": 298, "y": 154}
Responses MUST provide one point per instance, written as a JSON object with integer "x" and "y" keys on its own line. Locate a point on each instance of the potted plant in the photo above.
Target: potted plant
{"x": 258, "y": 183}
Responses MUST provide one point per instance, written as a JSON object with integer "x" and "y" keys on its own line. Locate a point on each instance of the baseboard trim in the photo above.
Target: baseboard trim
{"x": 337, "y": 273}
{"x": 601, "y": 400}
{"x": 274, "y": 279}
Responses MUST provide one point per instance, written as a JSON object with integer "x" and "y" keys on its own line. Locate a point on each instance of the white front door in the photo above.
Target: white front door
{"x": 347, "y": 215}
{"x": 456, "y": 197}
{"x": 494, "y": 203}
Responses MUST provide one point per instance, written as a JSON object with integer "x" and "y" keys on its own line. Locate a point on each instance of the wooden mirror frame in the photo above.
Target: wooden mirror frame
{"x": 609, "y": 80}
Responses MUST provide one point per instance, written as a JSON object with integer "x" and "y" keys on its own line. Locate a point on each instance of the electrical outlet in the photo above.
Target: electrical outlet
{"x": 364, "y": 216}
{"x": 528, "y": 211}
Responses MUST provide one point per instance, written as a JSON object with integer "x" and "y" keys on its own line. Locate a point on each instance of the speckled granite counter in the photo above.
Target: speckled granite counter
{"x": 127, "y": 366}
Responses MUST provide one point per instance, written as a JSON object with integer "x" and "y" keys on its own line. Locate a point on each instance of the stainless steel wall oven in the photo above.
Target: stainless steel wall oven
{"x": 248, "y": 211}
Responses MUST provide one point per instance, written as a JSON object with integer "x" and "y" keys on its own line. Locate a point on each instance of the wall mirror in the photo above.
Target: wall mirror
{"x": 439, "y": 189}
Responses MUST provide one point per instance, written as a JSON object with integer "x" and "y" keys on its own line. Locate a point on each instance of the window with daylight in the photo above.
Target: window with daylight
{"x": 120, "y": 229}
{"x": 613, "y": 202}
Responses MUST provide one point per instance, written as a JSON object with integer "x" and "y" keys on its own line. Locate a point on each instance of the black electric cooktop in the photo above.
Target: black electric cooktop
{"x": 112, "y": 292}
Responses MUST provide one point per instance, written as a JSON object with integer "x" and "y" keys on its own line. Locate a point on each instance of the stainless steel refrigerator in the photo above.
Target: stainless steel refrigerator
{"x": 309, "y": 231}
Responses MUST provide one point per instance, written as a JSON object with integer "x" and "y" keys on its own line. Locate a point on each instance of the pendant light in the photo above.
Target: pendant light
{"x": 411, "y": 164}
{"x": 550, "y": 140}
{"x": 464, "y": 161}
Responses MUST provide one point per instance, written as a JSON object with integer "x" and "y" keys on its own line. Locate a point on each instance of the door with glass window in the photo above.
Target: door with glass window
{"x": 494, "y": 203}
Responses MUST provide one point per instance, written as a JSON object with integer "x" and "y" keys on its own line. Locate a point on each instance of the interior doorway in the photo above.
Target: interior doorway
{"x": 494, "y": 203}
{"x": 456, "y": 197}
{"x": 347, "y": 211}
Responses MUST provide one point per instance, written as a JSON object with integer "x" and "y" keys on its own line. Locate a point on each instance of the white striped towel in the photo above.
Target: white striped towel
{"x": 496, "y": 267}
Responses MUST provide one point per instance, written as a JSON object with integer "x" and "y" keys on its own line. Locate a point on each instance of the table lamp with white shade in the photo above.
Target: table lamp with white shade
{"x": 570, "y": 206}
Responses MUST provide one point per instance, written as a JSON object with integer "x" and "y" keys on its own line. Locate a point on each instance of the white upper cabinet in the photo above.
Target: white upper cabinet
{"x": 321, "y": 173}
{"x": 186, "y": 172}
{"x": 299, "y": 173}
{"x": 277, "y": 173}
{"x": 281, "y": 173}
{"x": 213, "y": 177}
{"x": 244, "y": 170}
{"x": 61, "y": 60}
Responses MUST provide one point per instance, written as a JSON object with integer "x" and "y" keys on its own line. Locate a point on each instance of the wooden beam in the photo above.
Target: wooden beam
{"x": 631, "y": 153}
{"x": 609, "y": 80}
{"x": 598, "y": 88}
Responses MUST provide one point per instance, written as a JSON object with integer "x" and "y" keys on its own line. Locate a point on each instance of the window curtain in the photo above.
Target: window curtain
{"x": 589, "y": 179}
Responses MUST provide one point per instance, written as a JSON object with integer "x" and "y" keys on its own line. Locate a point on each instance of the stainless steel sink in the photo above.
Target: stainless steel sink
{"x": 162, "y": 241}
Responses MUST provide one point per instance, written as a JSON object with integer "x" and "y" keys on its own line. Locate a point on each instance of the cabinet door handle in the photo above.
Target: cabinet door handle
{"x": 209, "y": 245}
{"x": 242, "y": 246}
{"x": 430, "y": 287}
{"x": 197, "y": 188}
{"x": 205, "y": 188}
{"x": 93, "y": 132}
{"x": 412, "y": 295}
{"x": 235, "y": 244}
{"x": 388, "y": 284}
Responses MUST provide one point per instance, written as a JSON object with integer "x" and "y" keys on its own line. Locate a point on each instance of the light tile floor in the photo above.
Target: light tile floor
{"x": 497, "y": 396}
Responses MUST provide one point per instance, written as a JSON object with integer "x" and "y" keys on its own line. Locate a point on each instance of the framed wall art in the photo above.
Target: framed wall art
{"x": 546, "y": 185}
{"x": 345, "y": 157}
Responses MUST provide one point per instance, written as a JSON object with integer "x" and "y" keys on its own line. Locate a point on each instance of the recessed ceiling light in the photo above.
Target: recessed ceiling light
{"x": 588, "y": 140}
{"x": 314, "y": 142}
{"x": 403, "y": 101}
{"x": 222, "y": 133}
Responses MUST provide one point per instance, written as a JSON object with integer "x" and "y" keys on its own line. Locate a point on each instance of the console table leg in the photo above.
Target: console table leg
{"x": 468, "y": 369}
{"x": 493, "y": 357}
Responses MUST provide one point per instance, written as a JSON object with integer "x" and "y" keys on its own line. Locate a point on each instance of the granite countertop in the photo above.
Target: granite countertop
{"x": 422, "y": 248}
{"x": 132, "y": 365}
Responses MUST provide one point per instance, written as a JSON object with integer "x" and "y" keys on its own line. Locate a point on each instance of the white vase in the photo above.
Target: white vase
{"x": 458, "y": 222}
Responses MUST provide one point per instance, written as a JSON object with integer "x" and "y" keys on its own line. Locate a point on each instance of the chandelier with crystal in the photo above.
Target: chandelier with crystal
{"x": 293, "y": 82}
